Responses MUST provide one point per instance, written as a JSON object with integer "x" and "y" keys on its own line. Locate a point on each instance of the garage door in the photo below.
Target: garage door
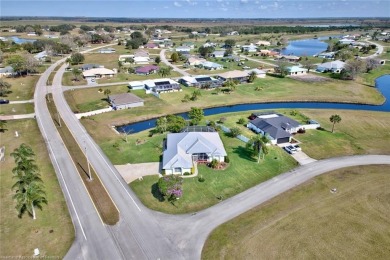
{"x": 283, "y": 140}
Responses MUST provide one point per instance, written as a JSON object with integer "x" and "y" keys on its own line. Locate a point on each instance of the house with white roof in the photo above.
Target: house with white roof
{"x": 182, "y": 151}
{"x": 295, "y": 70}
{"x": 41, "y": 56}
{"x": 218, "y": 54}
{"x": 183, "y": 49}
{"x": 125, "y": 100}
{"x": 195, "y": 61}
{"x": 263, "y": 43}
{"x": 6, "y": 71}
{"x": 135, "y": 85}
{"x": 99, "y": 73}
{"x": 210, "y": 65}
{"x": 259, "y": 73}
{"x": 161, "y": 86}
{"x": 249, "y": 48}
{"x": 332, "y": 66}
{"x": 200, "y": 81}
{"x": 238, "y": 75}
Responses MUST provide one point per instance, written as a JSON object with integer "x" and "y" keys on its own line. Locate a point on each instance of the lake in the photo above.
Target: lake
{"x": 382, "y": 84}
{"x": 307, "y": 47}
{"x": 18, "y": 40}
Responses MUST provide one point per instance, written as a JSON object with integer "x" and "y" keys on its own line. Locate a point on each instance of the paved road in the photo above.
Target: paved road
{"x": 142, "y": 233}
{"x": 175, "y": 68}
{"x": 377, "y": 53}
{"x": 258, "y": 61}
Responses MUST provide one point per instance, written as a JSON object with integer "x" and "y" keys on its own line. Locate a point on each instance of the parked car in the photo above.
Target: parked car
{"x": 4, "y": 101}
{"x": 290, "y": 149}
{"x": 297, "y": 147}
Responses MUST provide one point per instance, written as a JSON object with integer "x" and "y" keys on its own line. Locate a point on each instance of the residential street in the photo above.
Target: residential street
{"x": 142, "y": 233}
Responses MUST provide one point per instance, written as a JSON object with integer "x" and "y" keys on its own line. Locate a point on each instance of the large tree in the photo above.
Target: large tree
{"x": 334, "y": 119}
{"x": 4, "y": 88}
{"x": 354, "y": 67}
{"x": 196, "y": 115}
{"x": 308, "y": 64}
{"x": 76, "y": 73}
{"x": 76, "y": 58}
{"x": 18, "y": 63}
{"x": 230, "y": 43}
{"x": 175, "y": 57}
{"x": 33, "y": 197}
{"x": 164, "y": 71}
{"x": 371, "y": 64}
{"x": 258, "y": 145}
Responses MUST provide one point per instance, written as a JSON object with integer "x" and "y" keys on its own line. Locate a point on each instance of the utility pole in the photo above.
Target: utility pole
{"x": 59, "y": 119}
{"x": 89, "y": 168}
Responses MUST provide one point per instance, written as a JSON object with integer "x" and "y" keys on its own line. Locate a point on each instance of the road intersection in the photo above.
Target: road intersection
{"x": 142, "y": 233}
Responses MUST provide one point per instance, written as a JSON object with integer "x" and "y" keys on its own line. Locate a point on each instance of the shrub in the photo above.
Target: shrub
{"x": 235, "y": 131}
{"x": 201, "y": 178}
{"x": 214, "y": 164}
{"x": 171, "y": 186}
{"x": 227, "y": 160}
{"x": 241, "y": 121}
{"x": 301, "y": 130}
{"x": 293, "y": 112}
{"x": 222, "y": 120}
{"x": 186, "y": 173}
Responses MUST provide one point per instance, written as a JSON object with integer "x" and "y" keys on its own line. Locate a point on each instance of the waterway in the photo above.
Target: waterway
{"x": 382, "y": 84}
{"x": 307, "y": 47}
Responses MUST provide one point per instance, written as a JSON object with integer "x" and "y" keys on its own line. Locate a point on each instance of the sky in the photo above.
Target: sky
{"x": 197, "y": 8}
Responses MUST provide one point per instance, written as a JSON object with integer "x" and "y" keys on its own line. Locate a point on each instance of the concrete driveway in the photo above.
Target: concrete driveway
{"x": 131, "y": 172}
{"x": 299, "y": 156}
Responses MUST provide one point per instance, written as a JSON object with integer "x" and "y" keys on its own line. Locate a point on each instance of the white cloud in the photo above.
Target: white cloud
{"x": 177, "y": 4}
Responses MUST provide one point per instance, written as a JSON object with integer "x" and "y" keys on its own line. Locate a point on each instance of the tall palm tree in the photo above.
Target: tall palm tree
{"x": 32, "y": 197}
{"x": 258, "y": 144}
{"x": 335, "y": 119}
{"x": 22, "y": 153}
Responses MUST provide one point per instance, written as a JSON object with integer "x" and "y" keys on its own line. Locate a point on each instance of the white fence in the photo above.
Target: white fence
{"x": 310, "y": 126}
{"x": 227, "y": 130}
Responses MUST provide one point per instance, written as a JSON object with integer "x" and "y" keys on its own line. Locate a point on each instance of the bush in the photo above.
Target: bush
{"x": 235, "y": 131}
{"x": 222, "y": 120}
{"x": 241, "y": 121}
{"x": 301, "y": 130}
{"x": 186, "y": 173}
{"x": 227, "y": 160}
{"x": 214, "y": 164}
{"x": 201, "y": 178}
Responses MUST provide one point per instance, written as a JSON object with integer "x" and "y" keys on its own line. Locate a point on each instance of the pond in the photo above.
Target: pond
{"x": 382, "y": 84}
{"x": 18, "y": 40}
{"x": 307, "y": 47}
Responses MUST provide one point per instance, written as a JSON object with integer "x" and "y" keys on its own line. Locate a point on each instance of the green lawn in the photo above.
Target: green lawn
{"x": 22, "y": 88}
{"x": 52, "y": 232}
{"x": 16, "y": 109}
{"x": 242, "y": 173}
{"x": 310, "y": 222}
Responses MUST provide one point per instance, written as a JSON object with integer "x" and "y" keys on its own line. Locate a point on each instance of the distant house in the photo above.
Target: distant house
{"x": 141, "y": 53}
{"x": 290, "y": 58}
{"x": 210, "y": 65}
{"x": 151, "y": 46}
{"x": 41, "y": 56}
{"x": 107, "y": 50}
{"x": 7, "y": 72}
{"x": 346, "y": 41}
{"x": 233, "y": 33}
{"x": 263, "y": 43}
{"x": 190, "y": 45}
{"x": 99, "y": 73}
{"x": 182, "y": 151}
{"x": 209, "y": 44}
{"x": 295, "y": 70}
{"x": 183, "y": 49}
{"x": 332, "y": 66}
{"x": 136, "y": 85}
{"x": 141, "y": 60}
{"x": 31, "y": 34}
{"x": 85, "y": 67}
{"x": 124, "y": 57}
{"x": 200, "y": 81}
{"x": 146, "y": 70}
{"x": 268, "y": 53}
{"x": 249, "y": 48}
{"x": 238, "y": 75}
{"x": 259, "y": 73}
{"x": 326, "y": 55}
{"x": 161, "y": 86}
{"x": 277, "y": 127}
{"x": 218, "y": 54}
{"x": 125, "y": 100}
{"x": 195, "y": 61}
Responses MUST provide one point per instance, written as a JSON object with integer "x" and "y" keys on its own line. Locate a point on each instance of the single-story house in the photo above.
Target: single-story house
{"x": 234, "y": 75}
{"x": 233, "y": 33}
{"x": 146, "y": 70}
{"x": 259, "y": 73}
{"x": 217, "y": 54}
{"x": 290, "y": 58}
{"x": 99, "y": 73}
{"x": 249, "y": 48}
{"x": 346, "y": 41}
{"x": 182, "y": 151}
{"x": 182, "y": 49}
{"x": 6, "y": 72}
{"x": 268, "y": 53}
{"x": 190, "y": 45}
{"x": 194, "y": 61}
{"x": 332, "y": 66}
{"x": 151, "y": 46}
{"x": 210, "y": 65}
{"x": 200, "y": 81}
{"x": 41, "y": 56}
{"x": 107, "y": 50}
{"x": 125, "y": 100}
{"x": 161, "y": 86}
{"x": 295, "y": 70}
{"x": 231, "y": 58}
{"x": 125, "y": 57}
{"x": 263, "y": 43}
{"x": 326, "y": 55}
{"x": 31, "y": 34}
{"x": 85, "y": 67}
{"x": 141, "y": 60}
{"x": 277, "y": 127}
{"x": 136, "y": 85}
{"x": 209, "y": 44}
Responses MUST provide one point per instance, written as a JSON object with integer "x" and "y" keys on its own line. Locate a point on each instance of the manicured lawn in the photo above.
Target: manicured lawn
{"x": 310, "y": 222}
{"x": 22, "y": 87}
{"x": 16, "y": 109}
{"x": 52, "y": 232}
{"x": 242, "y": 173}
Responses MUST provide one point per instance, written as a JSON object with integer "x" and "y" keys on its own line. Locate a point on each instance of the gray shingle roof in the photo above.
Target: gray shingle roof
{"x": 275, "y": 126}
{"x": 124, "y": 98}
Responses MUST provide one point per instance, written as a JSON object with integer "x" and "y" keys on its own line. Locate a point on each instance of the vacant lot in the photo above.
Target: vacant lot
{"x": 310, "y": 222}
{"x": 52, "y": 232}
{"x": 242, "y": 173}
{"x": 16, "y": 109}
{"x": 22, "y": 88}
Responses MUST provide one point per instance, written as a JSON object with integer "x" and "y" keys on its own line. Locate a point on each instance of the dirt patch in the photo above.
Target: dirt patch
{"x": 310, "y": 78}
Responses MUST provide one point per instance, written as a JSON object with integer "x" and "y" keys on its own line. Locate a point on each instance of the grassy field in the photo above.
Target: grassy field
{"x": 242, "y": 173}
{"x": 52, "y": 232}
{"x": 22, "y": 87}
{"x": 16, "y": 109}
{"x": 310, "y": 222}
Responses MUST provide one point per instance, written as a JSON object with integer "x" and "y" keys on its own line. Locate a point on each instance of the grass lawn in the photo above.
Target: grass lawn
{"x": 242, "y": 173}
{"x": 359, "y": 132}
{"x": 22, "y": 87}
{"x": 16, "y": 109}
{"x": 52, "y": 232}
{"x": 310, "y": 222}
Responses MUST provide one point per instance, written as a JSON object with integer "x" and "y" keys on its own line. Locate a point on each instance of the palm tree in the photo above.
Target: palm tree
{"x": 76, "y": 73}
{"x": 165, "y": 71}
{"x": 107, "y": 92}
{"x": 335, "y": 119}
{"x": 32, "y": 197}
{"x": 258, "y": 144}
{"x": 3, "y": 124}
{"x": 22, "y": 153}
{"x": 252, "y": 77}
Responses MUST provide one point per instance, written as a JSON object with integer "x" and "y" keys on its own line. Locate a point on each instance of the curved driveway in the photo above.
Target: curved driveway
{"x": 142, "y": 233}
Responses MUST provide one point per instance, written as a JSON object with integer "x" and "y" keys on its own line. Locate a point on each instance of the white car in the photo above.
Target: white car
{"x": 297, "y": 147}
{"x": 290, "y": 149}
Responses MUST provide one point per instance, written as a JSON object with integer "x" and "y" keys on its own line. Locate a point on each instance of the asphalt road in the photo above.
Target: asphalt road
{"x": 175, "y": 68}
{"x": 142, "y": 233}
